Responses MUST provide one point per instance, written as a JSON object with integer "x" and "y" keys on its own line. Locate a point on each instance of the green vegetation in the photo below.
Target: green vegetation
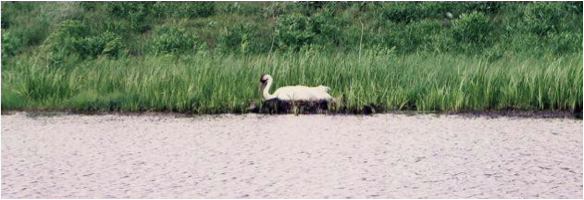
{"x": 206, "y": 57}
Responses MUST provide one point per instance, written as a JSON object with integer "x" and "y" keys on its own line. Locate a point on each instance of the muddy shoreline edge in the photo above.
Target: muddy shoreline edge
{"x": 463, "y": 113}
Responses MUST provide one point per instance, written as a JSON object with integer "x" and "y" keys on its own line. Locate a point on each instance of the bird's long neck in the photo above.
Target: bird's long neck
{"x": 266, "y": 92}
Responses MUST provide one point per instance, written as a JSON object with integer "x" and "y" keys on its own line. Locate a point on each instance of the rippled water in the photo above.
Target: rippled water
{"x": 287, "y": 156}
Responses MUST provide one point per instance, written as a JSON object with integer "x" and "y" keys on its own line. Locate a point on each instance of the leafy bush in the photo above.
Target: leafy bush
{"x": 231, "y": 7}
{"x": 544, "y": 17}
{"x": 414, "y": 11}
{"x": 32, "y": 34}
{"x": 435, "y": 9}
{"x": 424, "y": 35}
{"x": 325, "y": 27}
{"x": 489, "y": 7}
{"x": 295, "y": 31}
{"x": 184, "y": 9}
{"x": 360, "y": 5}
{"x": 575, "y": 6}
{"x": 88, "y": 5}
{"x": 5, "y": 22}
{"x": 564, "y": 42}
{"x": 238, "y": 38}
{"x": 113, "y": 26}
{"x": 274, "y": 9}
{"x": 400, "y": 11}
{"x": 246, "y": 38}
{"x": 420, "y": 35}
{"x": 310, "y": 7}
{"x": 18, "y": 5}
{"x": 250, "y": 8}
{"x": 71, "y": 38}
{"x": 106, "y": 44}
{"x": 135, "y": 12}
{"x": 125, "y": 8}
{"x": 442, "y": 41}
{"x": 62, "y": 41}
{"x": 252, "y": 27}
{"x": 170, "y": 39}
{"x": 10, "y": 45}
{"x": 472, "y": 30}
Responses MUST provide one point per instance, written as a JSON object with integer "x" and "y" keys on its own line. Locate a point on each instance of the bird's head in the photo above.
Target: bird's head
{"x": 264, "y": 78}
{"x": 263, "y": 81}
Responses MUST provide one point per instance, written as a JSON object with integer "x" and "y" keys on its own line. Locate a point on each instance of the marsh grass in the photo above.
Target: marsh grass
{"x": 219, "y": 83}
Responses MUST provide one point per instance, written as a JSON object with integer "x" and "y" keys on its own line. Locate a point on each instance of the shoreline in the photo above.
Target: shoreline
{"x": 512, "y": 113}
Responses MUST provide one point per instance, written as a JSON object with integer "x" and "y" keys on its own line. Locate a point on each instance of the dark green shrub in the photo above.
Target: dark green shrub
{"x": 17, "y": 6}
{"x": 248, "y": 8}
{"x": 472, "y": 30}
{"x": 442, "y": 41}
{"x": 295, "y": 31}
{"x": 231, "y": 7}
{"x": 238, "y": 38}
{"x": 173, "y": 40}
{"x": 489, "y": 7}
{"x": 72, "y": 38}
{"x": 10, "y": 45}
{"x": 62, "y": 42}
{"x": 423, "y": 35}
{"x": 402, "y": 11}
{"x": 105, "y": 44}
{"x": 34, "y": 33}
{"x": 392, "y": 36}
{"x": 184, "y": 8}
{"x": 522, "y": 42}
{"x": 311, "y": 7}
{"x": 420, "y": 35}
{"x": 135, "y": 12}
{"x": 407, "y": 12}
{"x": 4, "y": 21}
{"x": 274, "y": 9}
{"x": 543, "y": 17}
{"x": 115, "y": 26}
{"x": 564, "y": 42}
{"x": 88, "y": 5}
{"x": 574, "y": 6}
{"x": 360, "y": 5}
{"x": 113, "y": 46}
{"x": 325, "y": 29}
{"x": 435, "y": 9}
{"x": 202, "y": 9}
{"x": 124, "y": 8}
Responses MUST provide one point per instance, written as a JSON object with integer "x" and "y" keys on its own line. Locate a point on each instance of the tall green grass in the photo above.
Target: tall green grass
{"x": 218, "y": 83}
{"x": 207, "y": 57}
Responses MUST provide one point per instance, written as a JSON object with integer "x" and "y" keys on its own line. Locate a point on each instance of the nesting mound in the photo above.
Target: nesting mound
{"x": 277, "y": 106}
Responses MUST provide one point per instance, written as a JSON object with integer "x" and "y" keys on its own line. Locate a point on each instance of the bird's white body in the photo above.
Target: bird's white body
{"x": 294, "y": 93}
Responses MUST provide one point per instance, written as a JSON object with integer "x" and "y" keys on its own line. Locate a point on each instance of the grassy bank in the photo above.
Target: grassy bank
{"x": 206, "y": 57}
{"x": 206, "y": 83}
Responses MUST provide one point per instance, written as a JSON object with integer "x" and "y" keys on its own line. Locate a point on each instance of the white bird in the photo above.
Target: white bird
{"x": 294, "y": 93}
